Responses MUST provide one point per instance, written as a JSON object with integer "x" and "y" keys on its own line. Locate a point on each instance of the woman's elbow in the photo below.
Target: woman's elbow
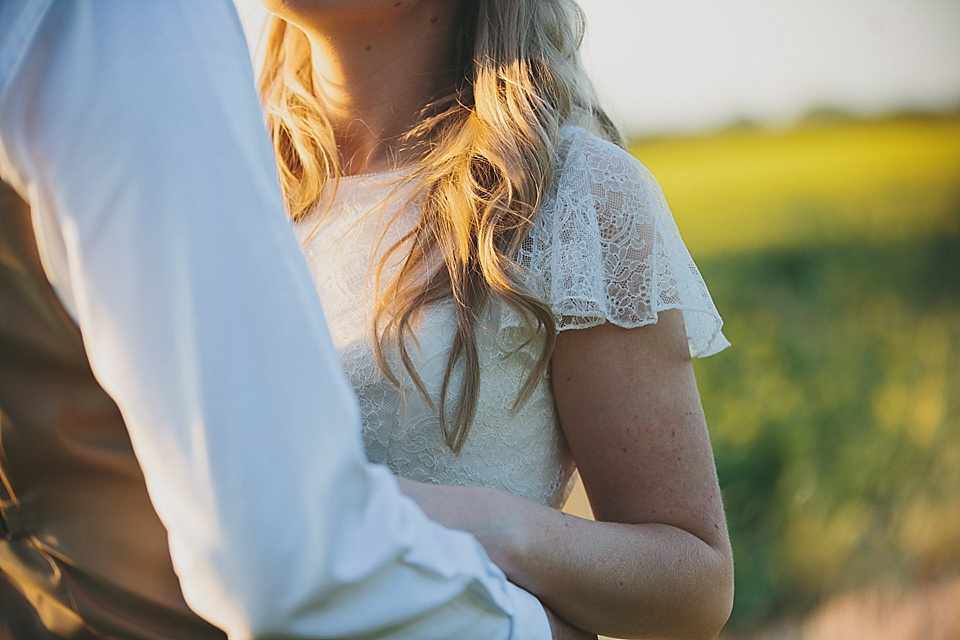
{"x": 696, "y": 604}
{"x": 715, "y": 596}
{"x": 701, "y": 604}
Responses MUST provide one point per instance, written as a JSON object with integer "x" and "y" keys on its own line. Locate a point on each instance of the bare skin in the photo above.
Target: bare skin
{"x": 657, "y": 563}
{"x": 377, "y": 63}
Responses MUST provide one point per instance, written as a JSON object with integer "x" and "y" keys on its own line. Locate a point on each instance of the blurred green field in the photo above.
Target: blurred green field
{"x": 833, "y": 252}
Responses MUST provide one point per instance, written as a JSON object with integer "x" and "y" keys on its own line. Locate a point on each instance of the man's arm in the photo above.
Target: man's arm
{"x": 134, "y": 132}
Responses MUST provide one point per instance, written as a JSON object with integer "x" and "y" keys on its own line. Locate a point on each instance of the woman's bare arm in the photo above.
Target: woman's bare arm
{"x": 657, "y": 561}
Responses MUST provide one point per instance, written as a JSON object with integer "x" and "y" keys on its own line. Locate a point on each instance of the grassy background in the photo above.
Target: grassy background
{"x": 833, "y": 252}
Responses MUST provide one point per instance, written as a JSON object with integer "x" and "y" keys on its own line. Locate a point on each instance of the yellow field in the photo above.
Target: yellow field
{"x": 755, "y": 189}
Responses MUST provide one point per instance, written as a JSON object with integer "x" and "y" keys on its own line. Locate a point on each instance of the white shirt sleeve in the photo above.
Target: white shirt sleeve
{"x": 133, "y": 130}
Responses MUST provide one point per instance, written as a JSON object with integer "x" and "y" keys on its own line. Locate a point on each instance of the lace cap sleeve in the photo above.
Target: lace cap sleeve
{"x": 605, "y": 248}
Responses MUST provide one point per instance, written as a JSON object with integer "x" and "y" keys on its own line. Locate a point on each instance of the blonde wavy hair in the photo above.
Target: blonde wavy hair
{"x": 486, "y": 154}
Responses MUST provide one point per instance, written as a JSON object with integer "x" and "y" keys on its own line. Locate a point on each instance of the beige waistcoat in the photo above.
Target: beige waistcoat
{"x": 82, "y": 552}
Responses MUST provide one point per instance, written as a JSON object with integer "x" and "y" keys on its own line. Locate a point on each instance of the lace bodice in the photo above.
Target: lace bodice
{"x": 604, "y": 248}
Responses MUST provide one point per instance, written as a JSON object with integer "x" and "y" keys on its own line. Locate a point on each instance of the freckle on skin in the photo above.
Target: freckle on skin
{"x": 434, "y": 19}
{"x": 369, "y": 47}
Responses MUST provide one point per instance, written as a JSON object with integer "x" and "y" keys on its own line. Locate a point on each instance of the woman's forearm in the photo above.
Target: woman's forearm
{"x": 621, "y": 580}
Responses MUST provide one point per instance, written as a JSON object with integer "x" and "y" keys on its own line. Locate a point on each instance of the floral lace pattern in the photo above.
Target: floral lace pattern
{"x": 604, "y": 249}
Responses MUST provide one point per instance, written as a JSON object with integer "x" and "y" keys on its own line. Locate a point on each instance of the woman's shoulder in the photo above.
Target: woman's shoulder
{"x": 575, "y": 138}
{"x": 605, "y": 248}
{"x": 602, "y": 170}
{"x": 580, "y": 148}
{"x": 602, "y": 177}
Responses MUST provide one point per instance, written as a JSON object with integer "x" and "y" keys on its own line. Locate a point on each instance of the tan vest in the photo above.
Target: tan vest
{"x": 82, "y": 552}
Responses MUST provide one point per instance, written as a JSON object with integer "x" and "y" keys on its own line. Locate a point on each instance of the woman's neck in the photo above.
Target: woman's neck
{"x": 375, "y": 74}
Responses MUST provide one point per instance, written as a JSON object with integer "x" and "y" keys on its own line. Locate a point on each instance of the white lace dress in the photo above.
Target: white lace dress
{"x": 604, "y": 248}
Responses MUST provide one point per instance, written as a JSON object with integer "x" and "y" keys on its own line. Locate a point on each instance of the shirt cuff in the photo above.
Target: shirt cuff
{"x": 529, "y": 618}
